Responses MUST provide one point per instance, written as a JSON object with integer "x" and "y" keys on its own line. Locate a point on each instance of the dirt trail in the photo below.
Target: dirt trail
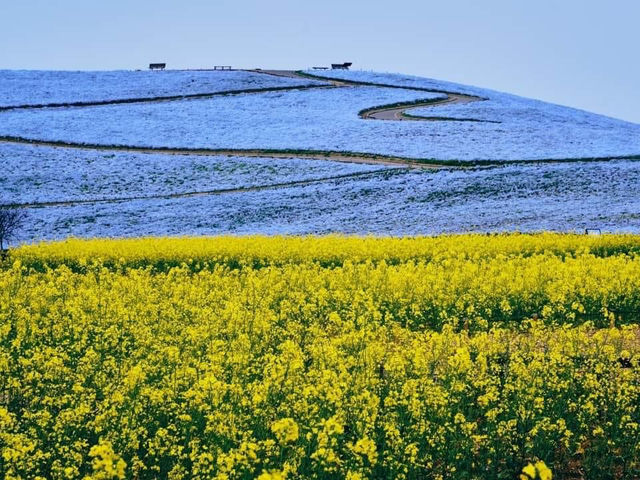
{"x": 400, "y": 112}
{"x": 397, "y": 111}
{"x": 345, "y": 157}
{"x": 171, "y": 98}
{"x": 221, "y": 191}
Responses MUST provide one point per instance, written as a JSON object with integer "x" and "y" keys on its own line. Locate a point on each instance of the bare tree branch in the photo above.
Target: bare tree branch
{"x": 11, "y": 219}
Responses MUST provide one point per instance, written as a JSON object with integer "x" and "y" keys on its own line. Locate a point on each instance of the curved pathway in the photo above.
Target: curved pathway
{"x": 170, "y": 98}
{"x": 337, "y": 156}
{"x": 401, "y": 112}
{"x": 397, "y": 111}
{"x": 394, "y": 112}
{"x": 203, "y": 193}
{"x": 347, "y": 157}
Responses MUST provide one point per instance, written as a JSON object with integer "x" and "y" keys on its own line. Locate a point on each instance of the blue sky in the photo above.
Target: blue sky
{"x": 578, "y": 53}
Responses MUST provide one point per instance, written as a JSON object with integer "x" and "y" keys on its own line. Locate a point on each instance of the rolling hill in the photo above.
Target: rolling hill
{"x": 140, "y": 153}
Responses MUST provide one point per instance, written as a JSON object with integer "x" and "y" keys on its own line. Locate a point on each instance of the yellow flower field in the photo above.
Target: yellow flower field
{"x": 458, "y": 357}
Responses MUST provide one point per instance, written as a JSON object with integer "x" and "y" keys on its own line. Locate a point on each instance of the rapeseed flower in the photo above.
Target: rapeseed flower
{"x": 330, "y": 357}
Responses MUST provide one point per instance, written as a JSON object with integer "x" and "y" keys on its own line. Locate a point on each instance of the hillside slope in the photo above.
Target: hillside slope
{"x": 273, "y": 152}
{"x": 316, "y": 117}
